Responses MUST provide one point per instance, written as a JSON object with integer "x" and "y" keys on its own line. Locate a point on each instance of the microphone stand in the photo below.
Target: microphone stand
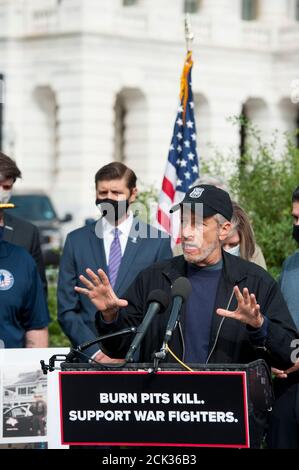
{"x": 73, "y": 354}
{"x": 86, "y": 345}
{"x": 159, "y": 356}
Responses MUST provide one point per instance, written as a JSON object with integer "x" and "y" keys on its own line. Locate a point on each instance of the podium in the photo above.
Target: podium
{"x": 215, "y": 405}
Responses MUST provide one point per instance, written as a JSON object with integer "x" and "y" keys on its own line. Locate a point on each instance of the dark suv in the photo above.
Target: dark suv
{"x": 38, "y": 209}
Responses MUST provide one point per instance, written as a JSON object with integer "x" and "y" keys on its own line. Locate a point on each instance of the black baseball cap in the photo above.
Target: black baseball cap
{"x": 214, "y": 200}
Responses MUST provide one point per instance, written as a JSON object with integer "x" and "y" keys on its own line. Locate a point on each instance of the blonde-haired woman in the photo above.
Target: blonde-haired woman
{"x": 240, "y": 240}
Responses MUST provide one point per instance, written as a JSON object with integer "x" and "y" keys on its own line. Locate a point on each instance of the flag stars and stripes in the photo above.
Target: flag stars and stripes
{"x": 182, "y": 165}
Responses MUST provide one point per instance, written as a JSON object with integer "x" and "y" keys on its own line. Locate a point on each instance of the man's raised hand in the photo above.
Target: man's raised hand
{"x": 99, "y": 291}
{"x": 247, "y": 311}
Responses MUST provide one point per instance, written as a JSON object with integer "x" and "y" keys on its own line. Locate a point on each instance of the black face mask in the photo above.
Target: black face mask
{"x": 296, "y": 233}
{"x": 113, "y": 210}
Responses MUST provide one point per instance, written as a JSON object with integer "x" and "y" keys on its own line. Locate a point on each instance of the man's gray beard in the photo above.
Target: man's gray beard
{"x": 203, "y": 256}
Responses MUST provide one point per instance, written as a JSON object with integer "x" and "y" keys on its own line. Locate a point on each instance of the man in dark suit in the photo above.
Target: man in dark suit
{"x": 18, "y": 231}
{"x": 118, "y": 243}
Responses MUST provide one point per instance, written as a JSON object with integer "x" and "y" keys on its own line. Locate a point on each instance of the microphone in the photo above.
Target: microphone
{"x": 180, "y": 291}
{"x": 73, "y": 354}
{"x": 157, "y": 301}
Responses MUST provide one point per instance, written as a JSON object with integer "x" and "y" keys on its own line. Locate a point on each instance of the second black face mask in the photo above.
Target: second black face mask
{"x": 296, "y": 233}
{"x": 113, "y": 210}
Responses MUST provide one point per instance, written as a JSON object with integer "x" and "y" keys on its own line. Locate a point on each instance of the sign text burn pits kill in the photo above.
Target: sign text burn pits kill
{"x": 160, "y": 415}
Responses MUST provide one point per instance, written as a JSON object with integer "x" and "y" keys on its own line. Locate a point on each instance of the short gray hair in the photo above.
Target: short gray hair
{"x": 220, "y": 219}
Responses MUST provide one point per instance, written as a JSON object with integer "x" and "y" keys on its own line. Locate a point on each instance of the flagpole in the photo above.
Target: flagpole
{"x": 189, "y": 36}
{"x": 182, "y": 163}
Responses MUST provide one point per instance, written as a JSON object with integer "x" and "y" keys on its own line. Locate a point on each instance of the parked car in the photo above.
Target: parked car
{"x": 17, "y": 421}
{"x": 37, "y": 207}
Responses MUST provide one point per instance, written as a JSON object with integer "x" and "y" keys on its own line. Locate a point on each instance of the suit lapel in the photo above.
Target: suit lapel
{"x": 97, "y": 246}
{"x": 132, "y": 248}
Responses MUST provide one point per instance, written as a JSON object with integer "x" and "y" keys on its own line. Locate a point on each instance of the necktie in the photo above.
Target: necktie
{"x": 114, "y": 258}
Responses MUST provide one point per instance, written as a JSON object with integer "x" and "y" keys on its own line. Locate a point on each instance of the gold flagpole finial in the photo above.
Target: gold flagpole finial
{"x": 189, "y": 36}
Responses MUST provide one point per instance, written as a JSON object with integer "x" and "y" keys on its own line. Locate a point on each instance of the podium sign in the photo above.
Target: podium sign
{"x": 168, "y": 408}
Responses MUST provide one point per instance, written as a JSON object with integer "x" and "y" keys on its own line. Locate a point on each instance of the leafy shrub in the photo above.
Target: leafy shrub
{"x": 56, "y": 336}
{"x": 262, "y": 183}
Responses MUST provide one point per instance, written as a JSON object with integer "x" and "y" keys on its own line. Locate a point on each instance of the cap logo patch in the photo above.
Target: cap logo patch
{"x": 196, "y": 193}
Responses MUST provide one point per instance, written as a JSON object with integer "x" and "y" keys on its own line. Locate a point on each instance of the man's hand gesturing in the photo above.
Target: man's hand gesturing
{"x": 99, "y": 291}
{"x": 247, "y": 311}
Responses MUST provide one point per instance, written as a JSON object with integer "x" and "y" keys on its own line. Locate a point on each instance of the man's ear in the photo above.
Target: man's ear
{"x": 133, "y": 195}
{"x": 224, "y": 230}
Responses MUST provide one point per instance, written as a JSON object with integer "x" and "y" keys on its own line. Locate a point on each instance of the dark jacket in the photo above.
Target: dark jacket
{"x": 230, "y": 340}
{"x": 23, "y": 233}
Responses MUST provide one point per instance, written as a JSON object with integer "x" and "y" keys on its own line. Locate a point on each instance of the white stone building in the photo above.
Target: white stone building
{"x": 23, "y": 389}
{"x": 90, "y": 81}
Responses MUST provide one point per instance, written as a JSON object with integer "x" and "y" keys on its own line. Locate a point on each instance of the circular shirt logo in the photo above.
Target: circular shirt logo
{"x": 6, "y": 280}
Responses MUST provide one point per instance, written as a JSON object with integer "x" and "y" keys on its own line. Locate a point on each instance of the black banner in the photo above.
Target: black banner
{"x": 167, "y": 408}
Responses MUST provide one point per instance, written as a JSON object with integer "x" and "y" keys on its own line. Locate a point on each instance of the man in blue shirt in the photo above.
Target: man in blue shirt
{"x": 15, "y": 230}
{"x": 23, "y": 309}
{"x": 235, "y": 312}
{"x": 289, "y": 278}
{"x": 284, "y": 420}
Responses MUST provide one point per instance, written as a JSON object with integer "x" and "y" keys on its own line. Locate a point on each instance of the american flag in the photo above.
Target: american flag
{"x": 182, "y": 163}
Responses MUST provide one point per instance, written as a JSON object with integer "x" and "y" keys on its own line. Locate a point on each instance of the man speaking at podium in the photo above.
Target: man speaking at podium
{"x": 234, "y": 314}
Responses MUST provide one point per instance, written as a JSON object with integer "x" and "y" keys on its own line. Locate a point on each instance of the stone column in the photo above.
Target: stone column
{"x": 273, "y": 12}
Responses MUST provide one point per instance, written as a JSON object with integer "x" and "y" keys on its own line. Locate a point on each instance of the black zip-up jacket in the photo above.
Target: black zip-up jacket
{"x": 230, "y": 340}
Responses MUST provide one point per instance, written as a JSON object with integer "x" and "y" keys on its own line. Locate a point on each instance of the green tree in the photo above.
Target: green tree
{"x": 56, "y": 336}
{"x": 263, "y": 184}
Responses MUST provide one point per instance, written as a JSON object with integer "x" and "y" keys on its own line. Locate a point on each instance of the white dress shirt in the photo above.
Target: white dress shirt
{"x": 123, "y": 232}
{"x": 108, "y": 236}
